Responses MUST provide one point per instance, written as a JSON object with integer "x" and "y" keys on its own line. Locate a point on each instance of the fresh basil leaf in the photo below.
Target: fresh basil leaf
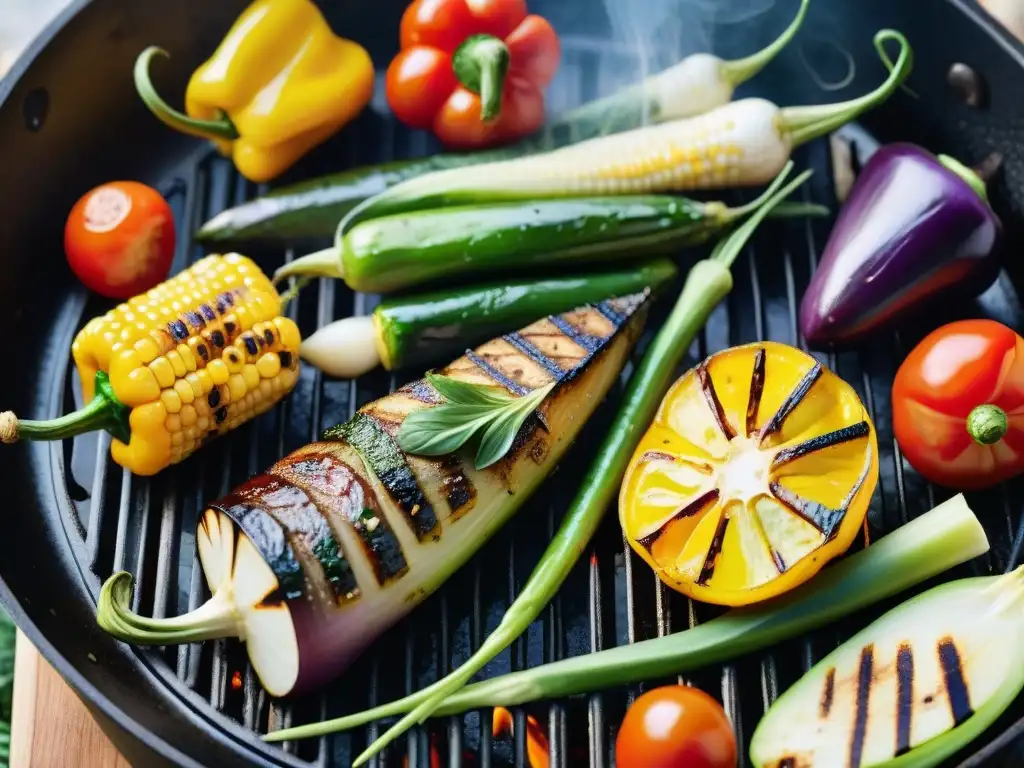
{"x": 442, "y": 429}
{"x": 465, "y": 393}
{"x": 501, "y": 433}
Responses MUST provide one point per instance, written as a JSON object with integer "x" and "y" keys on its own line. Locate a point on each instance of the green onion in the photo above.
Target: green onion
{"x": 708, "y": 282}
{"x": 912, "y": 688}
{"x": 940, "y": 539}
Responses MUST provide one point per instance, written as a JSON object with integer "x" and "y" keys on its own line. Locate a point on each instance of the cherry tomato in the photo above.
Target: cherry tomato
{"x": 119, "y": 239}
{"x": 958, "y": 405}
{"x": 675, "y": 727}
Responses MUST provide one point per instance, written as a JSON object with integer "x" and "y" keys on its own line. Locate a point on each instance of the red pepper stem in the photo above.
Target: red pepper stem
{"x": 987, "y": 424}
{"x": 481, "y": 64}
{"x": 220, "y": 128}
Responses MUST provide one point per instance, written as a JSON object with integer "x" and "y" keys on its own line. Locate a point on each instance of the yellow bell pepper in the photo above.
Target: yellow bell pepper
{"x": 757, "y": 470}
{"x": 280, "y": 83}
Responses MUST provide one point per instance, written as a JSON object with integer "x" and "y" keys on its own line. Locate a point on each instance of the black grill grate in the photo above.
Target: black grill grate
{"x": 147, "y": 526}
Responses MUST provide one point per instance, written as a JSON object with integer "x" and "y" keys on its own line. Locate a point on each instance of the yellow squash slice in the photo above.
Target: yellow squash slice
{"x": 757, "y": 470}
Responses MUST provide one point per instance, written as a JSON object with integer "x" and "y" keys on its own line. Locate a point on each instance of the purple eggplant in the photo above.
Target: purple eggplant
{"x": 916, "y": 229}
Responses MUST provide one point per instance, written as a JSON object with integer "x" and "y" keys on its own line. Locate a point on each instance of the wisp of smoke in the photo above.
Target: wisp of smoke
{"x": 663, "y": 31}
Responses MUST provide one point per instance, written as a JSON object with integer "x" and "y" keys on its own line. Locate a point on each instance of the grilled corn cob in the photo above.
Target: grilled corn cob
{"x": 194, "y": 357}
{"x": 743, "y": 143}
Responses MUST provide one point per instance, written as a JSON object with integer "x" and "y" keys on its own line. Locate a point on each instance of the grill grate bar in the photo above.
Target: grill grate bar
{"x": 167, "y": 552}
{"x": 98, "y": 497}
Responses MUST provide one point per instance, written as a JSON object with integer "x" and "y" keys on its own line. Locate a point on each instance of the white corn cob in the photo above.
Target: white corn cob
{"x": 739, "y": 144}
{"x": 695, "y": 85}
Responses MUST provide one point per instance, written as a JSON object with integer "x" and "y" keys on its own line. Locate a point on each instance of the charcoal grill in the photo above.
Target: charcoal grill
{"x": 69, "y": 119}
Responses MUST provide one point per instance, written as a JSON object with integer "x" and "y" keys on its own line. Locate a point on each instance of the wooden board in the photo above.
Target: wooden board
{"x": 51, "y": 727}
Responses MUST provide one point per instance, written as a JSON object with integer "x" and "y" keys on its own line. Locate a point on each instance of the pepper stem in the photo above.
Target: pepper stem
{"x": 105, "y": 411}
{"x": 973, "y": 179}
{"x": 741, "y": 70}
{"x": 325, "y": 263}
{"x": 987, "y": 424}
{"x": 214, "y": 619}
{"x": 481, "y": 64}
{"x": 806, "y": 123}
{"x": 220, "y": 128}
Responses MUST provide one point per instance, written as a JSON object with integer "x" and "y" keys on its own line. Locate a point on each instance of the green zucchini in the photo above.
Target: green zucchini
{"x": 406, "y": 250}
{"x": 422, "y": 329}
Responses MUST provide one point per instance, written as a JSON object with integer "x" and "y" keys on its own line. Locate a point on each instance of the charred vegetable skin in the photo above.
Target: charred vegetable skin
{"x": 311, "y": 561}
{"x": 190, "y": 359}
{"x": 909, "y": 690}
{"x": 280, "y": 83}
{"x": 916, "y": 230}
{"x": 757, "y": 470}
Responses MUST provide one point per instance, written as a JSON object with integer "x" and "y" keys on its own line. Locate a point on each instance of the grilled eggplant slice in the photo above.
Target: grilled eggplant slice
{"x": 310, "y": 562}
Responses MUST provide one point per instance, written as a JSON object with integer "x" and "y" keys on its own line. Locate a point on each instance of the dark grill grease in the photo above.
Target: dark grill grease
{"x": 339, "y": 492}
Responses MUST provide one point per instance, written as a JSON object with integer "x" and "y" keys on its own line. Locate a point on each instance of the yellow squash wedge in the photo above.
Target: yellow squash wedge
{"x": 757, "y": 470}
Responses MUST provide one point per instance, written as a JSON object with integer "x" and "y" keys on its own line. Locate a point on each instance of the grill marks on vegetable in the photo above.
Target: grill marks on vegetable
{"x": 886, "y": 694}
{"x": 328, "y": 532}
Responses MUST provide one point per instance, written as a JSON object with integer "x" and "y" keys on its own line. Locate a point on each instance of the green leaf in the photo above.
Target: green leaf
{"x": 470, "y": 410}
{"x": 443, "y": 429}
{"x": 459, "y": 392}
{"x": 500, "y": 435}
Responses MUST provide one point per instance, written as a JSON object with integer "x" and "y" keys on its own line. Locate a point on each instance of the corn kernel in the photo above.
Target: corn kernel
{"x": 187, "y": 357}
{"x": 269, "y": 365}
{"x": 147, "y": 349}
{"x": 288, "y": 332}
{"x": 202, "y": 405}
{"x": 203, "y": 423}
{"x": 163, "y": 371}
{"x": 205, "y": 381}
{"x": 177, "y": 438}
{"x": 194, "y": 382}
{"x": 188, "y": 415}
{"x": 236, "y": 386}
{"x": 190, "y": 434}
{"x": 266, "y": 389}
{"x": 185, "y": 390}
{"x": 148, "y": 418}
{"x": 177, "y": 364}
{"x": 140, "y": 387}
{"x": 171, "y": 400}
{"x": 233, "y": 359}
{"x": 199, "y": 350}
{"x": 251, "y": 377}
{"x": 218, "y": 371}
{"x": 173, "y": 422}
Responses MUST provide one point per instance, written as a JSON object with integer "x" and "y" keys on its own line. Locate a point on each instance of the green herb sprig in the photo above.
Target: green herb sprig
{"x": 469, "y": 410}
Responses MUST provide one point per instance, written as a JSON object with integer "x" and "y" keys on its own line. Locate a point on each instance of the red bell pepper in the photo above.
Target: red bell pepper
{"x": 472, "y": 71}
{"x": 958, "y": 405}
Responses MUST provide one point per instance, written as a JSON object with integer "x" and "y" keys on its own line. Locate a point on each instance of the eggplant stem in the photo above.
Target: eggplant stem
{"x": 219, "y": 129}
{"x": 216, "y": 618}
{"x": 970, "y": 177}
{"x": 741, "y": 70}
{"x": 806, "y": 123}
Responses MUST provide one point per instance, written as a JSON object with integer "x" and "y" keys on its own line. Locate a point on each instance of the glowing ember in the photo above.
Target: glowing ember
{"x": 236, "y": 680}
{"x": 537, "y": 750}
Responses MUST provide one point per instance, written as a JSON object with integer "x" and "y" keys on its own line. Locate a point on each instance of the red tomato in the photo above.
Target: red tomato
{"x": 675, "y": 727}
{"x": 119, "y": 239}
{"x": 953, "y": 371}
